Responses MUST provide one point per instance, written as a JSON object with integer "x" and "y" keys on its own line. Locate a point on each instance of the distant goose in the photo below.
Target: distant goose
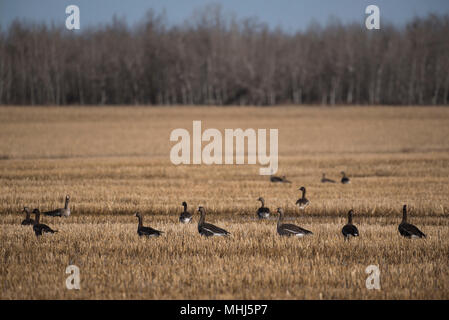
{"x": 302, "y": 202}
{"x": 350, "y": 230}
{"x": 290, "y": 229}
{"x": 263, "y": 212}
{"x": 282, "y": 179}
{"x": 62, "y": 212}
{"x": 408, "y": 230}
{"x": 28, "y": 221}
{"x": 207, "y": 229}
{"x": 146, "y": 231}
{"x": 185, "y": 216}
{"x": 324, "y": 179}
{"x": 345, "y": 179}
{"x": 40, "y": 228}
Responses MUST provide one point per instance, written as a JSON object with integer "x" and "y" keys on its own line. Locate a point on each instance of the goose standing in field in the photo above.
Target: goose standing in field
{"x": 345, "y": 179}
{"x": 290, "y": 229}
{"x": 263, "y": 212}
{"x": 302, "y": 202}
{"x": 207, "y": 229}
{"x": 324, "y": 179}
{"x": 40, "y": 228}
{"x": 282, "y": 179}
{"x": 28, "y": 221}
{"x": 185, "y": 216}
{"x": 350, "y": 230}
{"x": 62, "y": 212}
{"x": 146, "y": 231}
{"x": 408, "y": 230}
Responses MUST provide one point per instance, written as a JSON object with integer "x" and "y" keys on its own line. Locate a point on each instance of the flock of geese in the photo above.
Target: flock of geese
{"x": 206, "y": 229}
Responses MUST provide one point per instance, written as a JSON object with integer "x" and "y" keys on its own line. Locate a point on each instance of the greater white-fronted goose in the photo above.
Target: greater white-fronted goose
{"x": 40, "y": 228}
{"x": 282, "y": 179}
{"x": 302, "y": 202}
{"x": 345, "y": 179}
{"x": 350, "y": 230}
{"x": 288, "y": 229}
{"x": 263, "y": 212}
{"x": 28, "y": 221}
{"x": 207, "y": 229}
{"x": 62, "y": 212}
{"x": 146, "y": 231}
{"x": 408, "y": 230}
{"x": 185, "y": 216}
{"x": 326, "y": 180}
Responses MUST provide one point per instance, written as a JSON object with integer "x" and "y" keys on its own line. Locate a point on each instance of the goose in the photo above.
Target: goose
{"x": 290, "y": 229}
{"x": 324, "y": 179}
{"x": 302, "y": 202}
{"x": 40, "y": 228}
{"x": 263, "y": 212}
{"x": 408, "y": 230}
{"x": 146, "y": 231}
{"x": 350, "y": 230}
{"x": 62, "y": 212}
{"x": 282, "y": 179}
{"x": 345, "y": 179}
{"x": 185, "y": 216}
{"x": 28, "y": 221}
{"x": 207, "y": 229}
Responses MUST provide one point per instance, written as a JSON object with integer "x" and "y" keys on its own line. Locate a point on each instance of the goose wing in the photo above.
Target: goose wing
{"x": 350, "y": 229}
{"x": 148, "y": 231}
{"x": 214, "y": 230}
{"x": 54, "y": 213}
{"x": 409, "y": 230}
{"x": 293, "y": 229}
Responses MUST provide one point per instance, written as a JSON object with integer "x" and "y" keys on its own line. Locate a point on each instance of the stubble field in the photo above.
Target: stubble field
{"x": 115, "y": 161}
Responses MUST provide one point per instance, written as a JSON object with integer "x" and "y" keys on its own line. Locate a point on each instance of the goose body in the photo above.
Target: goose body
{"x": 28, "y": 221}
{"x": 146, "y": 231}
{"x": 408, "y": 230}
{"x": 208, "y": 229}
{"x": 350, "y": 230}
{"x": 40, "y": 228}
{"x": 326, "y": 180}
{"x": 287, "y": 229}
{"x": 61, "y": 212}
{"x": 185, "y": 216}
{"x": 282, "y": 179}
{"x": 263, "y": 212}
{"x": 302, "y": 202}
{"x": 345, "y": 179}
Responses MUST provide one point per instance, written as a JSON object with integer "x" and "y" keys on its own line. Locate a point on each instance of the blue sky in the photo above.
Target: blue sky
{"x": 291, "y": 15}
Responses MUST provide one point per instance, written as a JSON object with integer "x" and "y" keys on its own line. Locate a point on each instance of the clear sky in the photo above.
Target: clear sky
{"x": 291, "y": 15}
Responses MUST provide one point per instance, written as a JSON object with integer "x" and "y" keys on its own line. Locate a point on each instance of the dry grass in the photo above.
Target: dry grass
{"x": 114, "y": 161}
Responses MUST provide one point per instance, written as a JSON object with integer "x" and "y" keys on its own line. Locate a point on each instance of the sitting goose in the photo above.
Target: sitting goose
{"x": 302, "y": 202}
{"x": 185, "y": 216}
{"x": 324, "y": 179}
{"x": 207, "y": 229}
{"x": 345, "y": 179}
{"x": 263, "y": 212}
{"x": 62, "y": 212}
{"x": 146, "y": 231}
{"x": 282, "y": 179}
{"x": 408, "y": 230}
{"x": 350, "y": 230}
{"x": 28, "y": 221}
{"x": 290, "y": 229}
{"x": 40, "y": 228}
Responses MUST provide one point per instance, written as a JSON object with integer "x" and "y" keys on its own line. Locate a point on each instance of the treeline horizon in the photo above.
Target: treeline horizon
{"x": 219, "y": 60}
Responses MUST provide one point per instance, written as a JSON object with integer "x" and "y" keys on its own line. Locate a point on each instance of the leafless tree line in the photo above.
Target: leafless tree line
{"x": 219, "y": 60}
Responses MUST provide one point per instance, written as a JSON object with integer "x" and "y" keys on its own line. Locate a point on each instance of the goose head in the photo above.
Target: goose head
{"x": 67, "y": 198}
{"x": 138, "y": 215}
{"x": 302, "y": 189}
{"x": 184, "y": 204}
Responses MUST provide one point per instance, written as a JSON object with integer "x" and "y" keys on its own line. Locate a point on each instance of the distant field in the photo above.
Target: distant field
{"x": 115, "y": 161}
